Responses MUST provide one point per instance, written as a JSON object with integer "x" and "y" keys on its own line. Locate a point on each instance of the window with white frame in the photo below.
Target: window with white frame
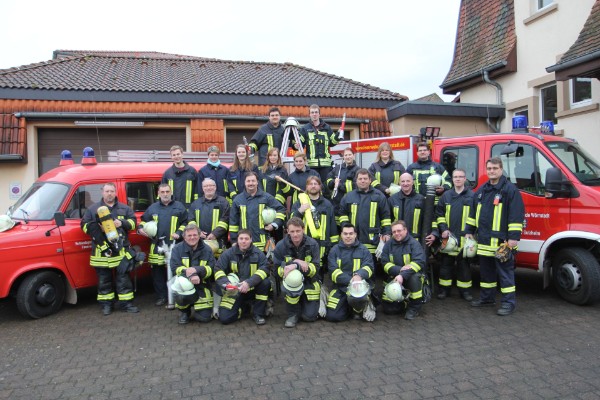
{"x": 581, "y": 91}
{"x": 543, "y": 3}
{"x": 548, "y": 103}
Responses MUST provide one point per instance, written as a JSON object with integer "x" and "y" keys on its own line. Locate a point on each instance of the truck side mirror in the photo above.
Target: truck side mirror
{"x": 509, "y": 148}
{"x": 557, "y": 185}
{"x": 59, "y": 218}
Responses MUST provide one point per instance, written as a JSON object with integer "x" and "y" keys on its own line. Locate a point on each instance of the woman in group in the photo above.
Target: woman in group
{"x": 385, "y": 170}
{"x": 341, "y": 178}
{"x": 215, "y": 171}
{"x": 240, "y": 167}
{"x": 273, "y": 167}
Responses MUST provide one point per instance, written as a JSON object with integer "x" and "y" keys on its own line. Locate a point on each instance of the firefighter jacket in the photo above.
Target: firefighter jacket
{"x": 408, "y": 208}
{"x": 277, "y": 189}
{"x": 345, "y": 261}
{"x": 265, "y": 138}
{"x": 104, "y": 253}
{"x": 421, "y": 170}
{"x": 182, "y": 182}
{"x": 246, "y": 213}
{"x": 237, "y": 179}
{"x": 298, "y": 178}
{"x": 219, "y": 174}
{"x": 308, "y": 250}
{"x": 211, "y": 216}
{"x": 250, "y": 266}
{"x": 452, "y": 212}
{"x": 397, "y": 254}
{"x": 326, "y": 230}
{"x": 170, "y": 218}
{"x": 384, "y": 174}
{"x": 497, "y": 215}
{"x": 201, "y": 258}
{"x": 318, "y": 140}
{"x": 368, "y": 211}
{"x": 347, "y": 184}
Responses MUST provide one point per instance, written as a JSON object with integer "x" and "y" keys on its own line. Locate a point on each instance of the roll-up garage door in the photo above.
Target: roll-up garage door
{"x": 52, "y": 141}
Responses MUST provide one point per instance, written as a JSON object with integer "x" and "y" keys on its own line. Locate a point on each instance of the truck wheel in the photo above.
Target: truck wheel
{"x": 40, "y": 294}
{"x": 576, "y": 276}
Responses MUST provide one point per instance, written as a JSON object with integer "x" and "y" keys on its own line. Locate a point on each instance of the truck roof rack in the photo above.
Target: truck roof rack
{"x": 163, "y": 155}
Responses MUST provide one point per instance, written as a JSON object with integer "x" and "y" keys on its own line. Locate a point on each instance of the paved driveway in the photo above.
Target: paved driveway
{"x": 547, "y": 349}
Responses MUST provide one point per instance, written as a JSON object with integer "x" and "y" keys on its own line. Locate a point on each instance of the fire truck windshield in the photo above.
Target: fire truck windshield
{"x": 40, "y": 202}
{"x": 580, "y": 163}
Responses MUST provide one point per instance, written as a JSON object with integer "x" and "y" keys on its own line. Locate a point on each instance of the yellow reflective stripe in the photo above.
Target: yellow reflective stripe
{"x": 372, "y": 215}
{"x": 464, "y": 285}
{"x": 261, "y": 273}
{"x": 280, "y": 216}
{"x": 497, "y": 217}
{"x": 355, "y": 264}
{"x": 369, "y": 270}
{"x": 107, "y": 296}
{"x": 335, "y": 274}
{"x": 270, "y": 142}
{"x": 416, "y": 218}
{"x": 387, "y": 266}
{"x": 416, "y": 295}
{"x": 292, "y": 300}
{"x": 215, "y": 218}
{"x": 386, "y": 222}
{"x": 261, "y": 297}
{"x": 219, "y": 275}
{"x": 234, "y": 267}
{"x": 441, "y": 220}
{"x": 188, "y": 191}
{"x": 280, "y": 198}
{"x": 445, "y": 282}
{"x": 348, "y": 185}
{"x": 487, "y": 285}
{"x": 243, "y": 217}
{"x": 332, "y": 301}
{"x": 126, "y": 296}
{"x": 510, "y": 289}
{"x": 515, "y": 226}
{"x": 396, "y": 211}
{"x": 353, "y": 214}
{"x": 397, "y": 177}
{"x": 477, "y": 213}
{"x": 234, "y": 228}
{"x": 447, "y": 218}
{"x": 223, "y": 224}
{"x": 415, "y": 266}
{"x": 261, "y": 222}
{"x": 343, "y": 218}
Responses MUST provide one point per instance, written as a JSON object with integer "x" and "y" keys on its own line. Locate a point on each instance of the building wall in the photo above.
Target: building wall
{"x": 449, "y": 127}
{"x": 542, "y": 37}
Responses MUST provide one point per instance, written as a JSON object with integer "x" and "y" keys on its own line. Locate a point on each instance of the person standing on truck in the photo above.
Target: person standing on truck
{"x": 317, "y": 136}
{"x": 385, "y": 170}
{"x": 170, "y": 217}
{"x": 424, "y": 167}
{"x": 497, "y": 218}
{"x": 268, "y": 136}
{"x": 215, "y": 171}
{"x": 194, "y": 259}
{"x": 211, "y": 213}
{"x": 181, "y": 177}
{"x": 107, "y": 254}
{"x": 452, "y": 212}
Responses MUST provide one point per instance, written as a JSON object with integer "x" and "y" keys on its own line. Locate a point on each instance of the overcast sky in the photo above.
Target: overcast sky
{"x": 405, "y": 46}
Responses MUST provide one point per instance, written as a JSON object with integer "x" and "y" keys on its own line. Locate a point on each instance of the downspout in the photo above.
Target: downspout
{"x": 500, "y": 101}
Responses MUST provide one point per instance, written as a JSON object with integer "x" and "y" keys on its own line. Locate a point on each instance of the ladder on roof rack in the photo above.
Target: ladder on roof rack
{"x": 163, "y": 155}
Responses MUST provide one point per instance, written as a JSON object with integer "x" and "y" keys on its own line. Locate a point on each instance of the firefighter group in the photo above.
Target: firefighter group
{"x": 224, "y": 241}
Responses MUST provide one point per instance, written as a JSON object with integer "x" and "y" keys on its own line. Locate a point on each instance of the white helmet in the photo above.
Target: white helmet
{"x": 449, "y": 244}
{"x": 182, "y": 285}
{"x": 291, "y": 121}
{"x": 6, "y": 223}
{"x": 359, "y": 289}
{"x": 234, "y": 280}
{"x": 394, "y": 291}
{"x": 268, "y": 215}
{"x": 394, "y": 188}
{"x": 434, "y": 180}
{"x": 150, "y": 228}
{"x": 470, "y": 249}
{"x": 293, "y": 283}
{"x": 214, "y": 245}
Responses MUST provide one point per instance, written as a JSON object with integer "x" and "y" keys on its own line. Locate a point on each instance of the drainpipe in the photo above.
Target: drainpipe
{"x": 499, "y": 100}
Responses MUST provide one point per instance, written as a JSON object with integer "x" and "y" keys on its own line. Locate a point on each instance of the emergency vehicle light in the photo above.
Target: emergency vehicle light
{"x": 519, "y": 123}
{"x": 430, "y": 131}
{"x": 547, "y": 127}
{"x": 66, "y": 158}
{"x": 89, "y": 157}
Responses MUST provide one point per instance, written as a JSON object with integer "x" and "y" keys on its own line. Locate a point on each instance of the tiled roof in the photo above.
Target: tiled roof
{"x": 430, "y": 98}
{"x": 160, "y": 74}
{"x": 112, "y": 53}
{"x": 587, "y": 45}
{"x": 485, "y": 37}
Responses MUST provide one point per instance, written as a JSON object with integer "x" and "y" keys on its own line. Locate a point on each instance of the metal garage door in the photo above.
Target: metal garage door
{"x": 52, "y": 141}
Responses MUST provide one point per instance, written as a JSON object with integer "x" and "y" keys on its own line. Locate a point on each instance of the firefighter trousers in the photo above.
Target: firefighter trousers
{"x": 123, "y": 286}
{"x": 492, "y": 271}
{"x": 159, "y": 280}
{"x": 338, "y": 308}
{"x": 463, "y": 273}
{"x": 232, "y": 308}
{"x": 306, "y": 306}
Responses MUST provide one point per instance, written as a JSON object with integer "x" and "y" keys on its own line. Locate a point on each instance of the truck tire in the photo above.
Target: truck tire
{"x": 576, "y": 275}
{"x": 40, "y": 294}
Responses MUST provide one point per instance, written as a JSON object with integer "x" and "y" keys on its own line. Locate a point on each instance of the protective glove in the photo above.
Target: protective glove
{"x": 323, "y": 301}
{"x": 379, "y": 250}
{"x": 369, "y": 312}
{"x": 505, "y": 253}
{"x": 216, "y": 304}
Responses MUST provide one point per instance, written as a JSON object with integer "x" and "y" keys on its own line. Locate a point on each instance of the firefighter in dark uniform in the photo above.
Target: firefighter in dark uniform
{"x": 211, "y": 213}
{"x": 301, "y": 252}
{"x": 107, "y": 255}
{"x": 321, "y": 224}
{"x": 272, "y": 168}
{"x": 496, "y": 218}
{"x": 194, "y": 260}
{"x": 242, "y": 165}
{"x": 349, "y": 261}
{"x": 385, "y": 170}
{"x": 215, "y": 171}
{"x": 366, "y": 208}
{"x": 268, "y": 136}
{"x": 246, "y": 212}
{"x": 403, "y": 260}
{"x": 170, "y": 217}
{"x": 181, "y": 177}
{"x": 300, "y": 174}
{"x": 452, "y": 212}
{"x": 424, "y": 167}
{"x": 249, "y": 264}
{"x": 342, "y": 177}
{"x": 318, "y": 137}
{"x": 407, "y": 205}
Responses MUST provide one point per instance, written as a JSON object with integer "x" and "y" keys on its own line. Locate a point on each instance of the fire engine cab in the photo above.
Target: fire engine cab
{"x": 45, "y": 254}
